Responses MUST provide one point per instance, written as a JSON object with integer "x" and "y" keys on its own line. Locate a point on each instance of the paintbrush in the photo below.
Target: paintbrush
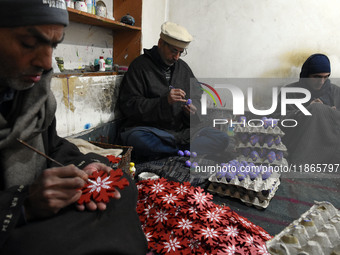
{"x": 49, "y": 158}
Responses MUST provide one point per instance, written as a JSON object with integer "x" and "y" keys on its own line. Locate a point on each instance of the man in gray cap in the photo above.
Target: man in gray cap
{"x": 38, "y": 214}
{"x": 154, "y": 101}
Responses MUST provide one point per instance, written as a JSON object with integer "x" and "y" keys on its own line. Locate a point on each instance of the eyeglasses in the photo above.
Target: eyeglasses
{"x": 175, "y": 51}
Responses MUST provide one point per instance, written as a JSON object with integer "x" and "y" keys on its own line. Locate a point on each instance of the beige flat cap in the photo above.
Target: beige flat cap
{"x": 175, "y": 35}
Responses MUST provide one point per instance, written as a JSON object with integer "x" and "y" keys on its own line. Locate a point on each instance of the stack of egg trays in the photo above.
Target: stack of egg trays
{"x": 257, "y": 192}
{"x": 260, "y": 131}
{"x": 316, "y": 232}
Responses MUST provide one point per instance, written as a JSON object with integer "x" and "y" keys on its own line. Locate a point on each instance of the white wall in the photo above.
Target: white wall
{"x": 154, "y": 14}
{"x": 250, "y": 38}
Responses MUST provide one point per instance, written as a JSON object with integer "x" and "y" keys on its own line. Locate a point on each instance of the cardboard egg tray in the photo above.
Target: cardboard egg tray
{"x": 259, "y": 200}
{"x": 279, "y": 147}
{"x": 255, "y": 192}
{"x": 257, "y": 146}
{"x": 316, "y": 232}
{"x": 261, "y": 130}
{"x": 282, "y": 162}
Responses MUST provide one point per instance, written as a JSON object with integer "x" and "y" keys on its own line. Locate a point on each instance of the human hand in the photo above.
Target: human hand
{"x": 54, "y": 189}
{"x": 176, "y": 95}
{"x": 317, "y": 100}
{"x": 189, "y": 109}
{"x": 92, "y": 206}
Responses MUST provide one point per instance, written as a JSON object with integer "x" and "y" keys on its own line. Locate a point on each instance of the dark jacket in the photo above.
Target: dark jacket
{"x": 116, "y": 230}
{"x": 144, "y": 91}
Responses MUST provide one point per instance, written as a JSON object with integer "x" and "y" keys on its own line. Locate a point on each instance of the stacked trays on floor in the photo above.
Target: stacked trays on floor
{"x": 254, "y": 176}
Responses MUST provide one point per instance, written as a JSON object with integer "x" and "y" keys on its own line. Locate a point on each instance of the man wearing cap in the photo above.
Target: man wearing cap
{"x": 154, "y": 100}
{"x": 38, "y": 212}
{"x": 315, "y": 139}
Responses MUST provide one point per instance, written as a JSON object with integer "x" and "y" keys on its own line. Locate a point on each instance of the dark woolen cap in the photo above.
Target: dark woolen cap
{"x": 316, "y": 63}
{"x": 16, "y": 13}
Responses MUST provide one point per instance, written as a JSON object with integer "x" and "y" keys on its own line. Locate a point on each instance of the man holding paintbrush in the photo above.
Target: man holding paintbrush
{"x": 37, "y": 198}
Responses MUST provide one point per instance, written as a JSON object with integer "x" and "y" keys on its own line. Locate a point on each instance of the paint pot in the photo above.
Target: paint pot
{"x": 101, "y": 9}
{"x": 80, "y": 6}
{"x": 108, "y": 64}
{"x": 128, "y": 19}
{"x": 60, "y": 62}
{"x": 69, "y": 3}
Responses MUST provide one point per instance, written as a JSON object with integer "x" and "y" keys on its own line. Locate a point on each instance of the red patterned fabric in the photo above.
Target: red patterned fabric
{"x": 178, "y": 218}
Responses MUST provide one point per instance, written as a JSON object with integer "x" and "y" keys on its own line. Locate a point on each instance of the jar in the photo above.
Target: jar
{"x": 60, "y": 62}
{"x": 80, "y": 6}
{"x": 108, "y": 64}
{"x": 101, "y": 9}
{"x": 101, "y": 64}
{"x": 128, "y": 19}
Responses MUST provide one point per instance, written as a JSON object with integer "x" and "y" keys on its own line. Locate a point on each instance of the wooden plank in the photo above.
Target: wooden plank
{"x": 90, "y": 19}
{"x": 126, "y": 46}
{"x": 66, "y": 75}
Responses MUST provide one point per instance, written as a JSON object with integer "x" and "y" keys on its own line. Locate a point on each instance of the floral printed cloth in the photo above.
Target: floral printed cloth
{"x": 178, "y": 218}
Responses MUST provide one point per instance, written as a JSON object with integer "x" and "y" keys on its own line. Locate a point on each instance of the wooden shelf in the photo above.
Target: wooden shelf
{"x": 94, "y": 20}
{"x": 82, "y": 74}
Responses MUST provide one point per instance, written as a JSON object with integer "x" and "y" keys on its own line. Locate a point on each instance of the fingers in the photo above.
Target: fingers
{"x": 93, "y": 206}
{"x": 95, "y": 166}
{"x": 68, "y": 177}
{"x": 318, "y": 100}
{"x": 176, "y": 95}
{"x": 189, "y": 109}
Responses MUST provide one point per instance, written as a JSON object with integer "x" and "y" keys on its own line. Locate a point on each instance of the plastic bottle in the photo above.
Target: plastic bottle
{"x": 101, "y": 64}
{"x": 89, "y": 6}
{"x": 132, "y": 169}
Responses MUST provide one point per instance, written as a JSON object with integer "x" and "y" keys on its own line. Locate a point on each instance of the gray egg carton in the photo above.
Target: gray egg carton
{"x": 316, "y": 232}
{"x": 259, "y": 200}
{"x": 261, "y": 130}
{"x": 282, "y": 162}
{"x": 256, "y": 185}
{"x": 279, "y": 147}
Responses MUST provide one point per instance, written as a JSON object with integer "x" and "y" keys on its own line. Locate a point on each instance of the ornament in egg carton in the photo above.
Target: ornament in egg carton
{"x": 316, "y": 232}
{"x": 255, "y": 185}
{"x": 261, "y": 144}
{"x": 254, "y": 176}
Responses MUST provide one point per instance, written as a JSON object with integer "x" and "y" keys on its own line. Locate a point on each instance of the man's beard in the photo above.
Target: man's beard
{"x": 18, "y": 85}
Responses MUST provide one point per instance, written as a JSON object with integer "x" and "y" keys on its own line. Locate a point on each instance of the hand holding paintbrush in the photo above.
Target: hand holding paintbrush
{"x": 47, "y": 157}
{"x": 59, "y": 187}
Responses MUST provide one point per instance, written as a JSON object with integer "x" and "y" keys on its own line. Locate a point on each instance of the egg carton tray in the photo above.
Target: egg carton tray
{"x": 282, "y": 162}
{"x": 280, "y": 147}
{"x": 261, "y": 130}
{"x": 259, "y": 200}
{"x": 256, "y": 185}
{"x": 316, "y": 232}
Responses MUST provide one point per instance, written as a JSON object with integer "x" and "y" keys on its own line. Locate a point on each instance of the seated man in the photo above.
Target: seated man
{"x": 316, "y": 138}
{"x": 154, "y": 101}
{"x": 38, "y": 214}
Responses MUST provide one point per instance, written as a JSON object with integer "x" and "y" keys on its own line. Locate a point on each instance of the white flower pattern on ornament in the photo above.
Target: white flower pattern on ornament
{"x": 100, "y": 184}
{"x": 231, "y": 231}
{"x": 172, "y": 245}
